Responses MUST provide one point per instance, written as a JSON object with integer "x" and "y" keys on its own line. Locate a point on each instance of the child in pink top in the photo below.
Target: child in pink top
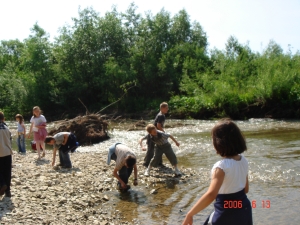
{"x": 38, "y": 126}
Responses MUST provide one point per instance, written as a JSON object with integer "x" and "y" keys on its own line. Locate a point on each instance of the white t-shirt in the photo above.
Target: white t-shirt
{"x": 37, "y": 121}
{"x": 122, "y": 151}
{"x": 235, "y": 174}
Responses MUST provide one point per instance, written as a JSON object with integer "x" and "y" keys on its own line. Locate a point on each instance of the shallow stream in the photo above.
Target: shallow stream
{"x": 274, "y": 162}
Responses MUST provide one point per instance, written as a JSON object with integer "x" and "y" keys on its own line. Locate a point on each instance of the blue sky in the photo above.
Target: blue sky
{"x": 251, "y": 21}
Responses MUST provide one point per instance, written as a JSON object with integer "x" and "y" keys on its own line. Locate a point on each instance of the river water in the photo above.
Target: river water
{"x": 274, "y": 161}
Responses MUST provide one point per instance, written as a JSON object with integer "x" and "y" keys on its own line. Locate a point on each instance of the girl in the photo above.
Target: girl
{"x": 38, "y": 126}
{"x": 21, "y": 133}
{"x": 229, "y": 182}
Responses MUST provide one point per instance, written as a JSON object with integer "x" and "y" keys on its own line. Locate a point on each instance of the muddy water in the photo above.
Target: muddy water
{"x": 274, "y": 162}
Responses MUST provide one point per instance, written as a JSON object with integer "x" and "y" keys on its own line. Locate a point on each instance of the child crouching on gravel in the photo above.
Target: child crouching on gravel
{"x": 162, "y": 147}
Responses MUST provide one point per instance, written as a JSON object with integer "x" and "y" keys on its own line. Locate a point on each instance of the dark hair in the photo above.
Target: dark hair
{"x": 227, "y": 138}
{"x": 130, "y": 161}
{"x": 1, "y": 116}
{"x": 48, "y": 139}
{"x": 20, "y": 117}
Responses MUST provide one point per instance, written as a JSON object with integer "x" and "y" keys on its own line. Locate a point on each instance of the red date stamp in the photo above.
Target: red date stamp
{"x": 233, "y": 204}
{"x": 265, "y": 204}
{"x": 237, "y": 204}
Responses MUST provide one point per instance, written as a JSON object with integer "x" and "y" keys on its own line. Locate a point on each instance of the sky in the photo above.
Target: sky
{"x": 252, "y": 22}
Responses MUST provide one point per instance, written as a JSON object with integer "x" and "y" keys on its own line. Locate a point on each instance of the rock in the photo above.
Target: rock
{"x": 153, "y": 191}
{"x": 105, "y": 198}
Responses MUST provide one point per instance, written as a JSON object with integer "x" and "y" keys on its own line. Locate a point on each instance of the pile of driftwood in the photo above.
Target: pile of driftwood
{"x": 89, "y": 129}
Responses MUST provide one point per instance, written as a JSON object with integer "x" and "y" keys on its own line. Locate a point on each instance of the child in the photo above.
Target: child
{"x": 5, "y": 158}
{"x": 159, "y": 122}
{"x": 229, "y": 182}
{"x": 21, "y": 133}
{"x": 38, "y": 126}
{"x": 125, "y": 162}
{"x": 64, "y": 142}
{"x": 162, "y": 147}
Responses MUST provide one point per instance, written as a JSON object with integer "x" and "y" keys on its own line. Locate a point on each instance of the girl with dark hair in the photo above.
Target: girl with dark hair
{"x": 229, "y": 181}
{"x": 21, "y": 132}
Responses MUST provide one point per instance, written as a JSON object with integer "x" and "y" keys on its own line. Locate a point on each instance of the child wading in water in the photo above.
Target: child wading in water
{"x": 229, "y": 181}
{"x": 162, "y": 147}
{"x": 21, "y": 134}
{"x": 38, "y": 126}
{"x": 159, "y": 122}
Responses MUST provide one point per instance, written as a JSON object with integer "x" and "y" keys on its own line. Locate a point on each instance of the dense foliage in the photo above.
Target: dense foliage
{"x": 147, "y": 60}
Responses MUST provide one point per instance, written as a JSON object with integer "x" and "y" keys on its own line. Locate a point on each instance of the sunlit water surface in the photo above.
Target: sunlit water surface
{"x": 274, "y": 162}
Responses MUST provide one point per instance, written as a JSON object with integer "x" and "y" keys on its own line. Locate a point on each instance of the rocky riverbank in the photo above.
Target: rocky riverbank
{"x": 85, "y": 194}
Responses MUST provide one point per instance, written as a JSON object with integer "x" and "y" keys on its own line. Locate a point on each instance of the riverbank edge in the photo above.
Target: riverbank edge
{"x": 272, "y": 110}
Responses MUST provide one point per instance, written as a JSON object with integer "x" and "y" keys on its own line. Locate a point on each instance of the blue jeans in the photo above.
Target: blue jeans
{"x": 21, "y": 143}
{"x": 64, "y": 158}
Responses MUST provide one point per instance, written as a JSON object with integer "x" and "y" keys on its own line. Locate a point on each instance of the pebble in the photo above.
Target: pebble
{"x": 84, "y": 194}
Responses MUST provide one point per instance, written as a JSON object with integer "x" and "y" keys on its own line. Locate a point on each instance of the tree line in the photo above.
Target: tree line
{"x": 144, "y": 60}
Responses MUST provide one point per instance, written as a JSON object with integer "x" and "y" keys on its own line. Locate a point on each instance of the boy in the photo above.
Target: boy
{"x": 162, "y": 147}
{"x": 125, "y": 162}
{"x": 159, "y": 122}
{"x": 64, "y": 142}
{"x": 5, "y": 158}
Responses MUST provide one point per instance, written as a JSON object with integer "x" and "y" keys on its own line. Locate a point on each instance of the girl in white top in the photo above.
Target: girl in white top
{"x": 229, "y": 181}
{"x": 38, "y": 126}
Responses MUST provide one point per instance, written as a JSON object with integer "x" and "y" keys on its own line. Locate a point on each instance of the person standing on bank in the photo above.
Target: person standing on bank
{"x": 159, "y": 122}
{"x": 125, "y": 163}
{"x": 38, "y": 126}
{"x": 64, "y": 142}
{"x": 229, "y": 181}
{"x": 21, "y": 133}
{"x": 5, "y": 158}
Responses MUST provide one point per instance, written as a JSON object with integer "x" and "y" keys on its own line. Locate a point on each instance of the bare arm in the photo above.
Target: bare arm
{"x": 135, "y": 171}
{"x": 208, "y": 197}
{"x": 176, "y": 142}
{"x": 116, "y": 175}
{"x": 54, "y": 156}
{"x": 141, "y": 144}
{"x": 159, "y": 127}
{"x": 30, "y": 129}
{"x": 247, "y": 185}
{"x": 24, "y": 129}
{"x": 66, "y": 136}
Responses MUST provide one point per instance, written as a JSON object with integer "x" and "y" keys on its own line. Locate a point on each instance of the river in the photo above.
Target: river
{"x": 274, "y": 161}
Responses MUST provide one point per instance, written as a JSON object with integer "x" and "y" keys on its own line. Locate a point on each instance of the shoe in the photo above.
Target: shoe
{"x": 177, "y": 172}
{"x": 66, "y": 167}
{"x": 3, "y": 189}
{"x": 7, "y": 194}
{"x": 43, "y": 155}
{"x": 59, "y": 164}
{"x": 147, "y": 173}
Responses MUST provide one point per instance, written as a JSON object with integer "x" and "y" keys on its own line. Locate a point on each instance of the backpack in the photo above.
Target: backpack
{"x": 33, "y": 146}
{"x": 71, "y": 144}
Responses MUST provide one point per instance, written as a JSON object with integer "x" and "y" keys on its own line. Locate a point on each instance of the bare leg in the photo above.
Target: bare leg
{"x": 44, "y": 150}
{"x": 38, "y": 148}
